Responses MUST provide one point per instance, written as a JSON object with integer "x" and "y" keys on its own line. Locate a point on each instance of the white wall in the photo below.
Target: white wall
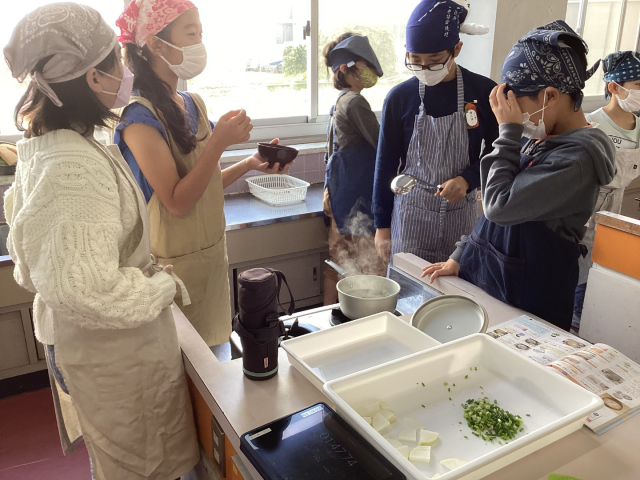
{"x": 514, "y": 18}
{"x": 477, "y": 50}
{"x": 509, "y": 20}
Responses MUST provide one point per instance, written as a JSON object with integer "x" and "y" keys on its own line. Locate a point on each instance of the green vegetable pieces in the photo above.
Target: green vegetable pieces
{"x": 488, "y": 421}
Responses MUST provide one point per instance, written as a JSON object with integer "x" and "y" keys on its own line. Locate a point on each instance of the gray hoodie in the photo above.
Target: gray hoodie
{"x": 560, "y": 191}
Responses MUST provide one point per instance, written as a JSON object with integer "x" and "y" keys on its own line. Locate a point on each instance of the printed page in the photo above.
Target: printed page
{"x": 608, "y": 373}
{"x": 537, "y": 341}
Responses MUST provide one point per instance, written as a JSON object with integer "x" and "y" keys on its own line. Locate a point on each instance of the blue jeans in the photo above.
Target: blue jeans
{"x": 578, "y": 303}
{"x": 51, "y": 363}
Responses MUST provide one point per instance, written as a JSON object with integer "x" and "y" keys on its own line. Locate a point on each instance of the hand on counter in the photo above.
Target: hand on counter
{"x": 441, "y": 269}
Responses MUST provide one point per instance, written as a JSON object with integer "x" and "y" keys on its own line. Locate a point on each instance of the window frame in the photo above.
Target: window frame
{"x": 593, "y": 102}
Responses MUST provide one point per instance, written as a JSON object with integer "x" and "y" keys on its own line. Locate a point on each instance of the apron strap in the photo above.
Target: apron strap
{"x": 422, "y": 90}
{"x": 332, "y": 146}
{"x": 460, "y": 89}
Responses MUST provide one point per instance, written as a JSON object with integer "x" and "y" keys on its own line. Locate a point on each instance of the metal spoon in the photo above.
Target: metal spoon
{"x": 403, "y": 184}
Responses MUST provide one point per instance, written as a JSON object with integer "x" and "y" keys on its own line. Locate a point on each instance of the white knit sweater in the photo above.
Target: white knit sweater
{"x": 70, "y": 236}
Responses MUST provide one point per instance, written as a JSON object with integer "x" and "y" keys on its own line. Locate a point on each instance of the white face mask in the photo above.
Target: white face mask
{"x": 194, "y": 60}
{"x": 630, "y": 104}
{"x": 532, "y": 131}
{"x": 430, "y": 77}
{"x": 124, "y": 91}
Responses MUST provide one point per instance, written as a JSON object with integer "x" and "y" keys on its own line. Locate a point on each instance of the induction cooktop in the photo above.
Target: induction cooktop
{"x": 315, "y": 444}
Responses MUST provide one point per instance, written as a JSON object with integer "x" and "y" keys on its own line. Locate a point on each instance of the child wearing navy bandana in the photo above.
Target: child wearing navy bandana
{"x": 537, "y": 199}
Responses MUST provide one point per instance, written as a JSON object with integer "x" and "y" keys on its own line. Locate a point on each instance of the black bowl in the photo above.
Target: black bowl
{"x": 277, "y": 153}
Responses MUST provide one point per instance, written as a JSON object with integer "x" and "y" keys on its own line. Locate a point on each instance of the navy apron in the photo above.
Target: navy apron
{"x": 526, "y": 265}
{"x": 423, "y": 224}
{"x": 349, "y": 178}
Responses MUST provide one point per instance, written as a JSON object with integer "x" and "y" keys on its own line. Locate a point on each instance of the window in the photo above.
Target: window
{"x": 10, "y": 89}
{"x": 265, "y": 57}
{"x": 386, "y": 33}
{"x": 607, "y": 26}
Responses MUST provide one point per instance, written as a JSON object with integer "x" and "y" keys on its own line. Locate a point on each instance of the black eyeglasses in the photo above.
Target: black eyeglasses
{"x": 434, "y": 67}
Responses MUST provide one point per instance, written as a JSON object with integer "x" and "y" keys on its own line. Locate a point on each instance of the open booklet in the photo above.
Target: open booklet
{"x": 598, "y": 368}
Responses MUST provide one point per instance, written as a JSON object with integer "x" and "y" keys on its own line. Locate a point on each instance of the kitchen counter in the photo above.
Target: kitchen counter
{"x": 240, "y": 405}
{"x": 5, "y": 261}
{"x": 6, "y": 179}
{"x": 243, "y": 210}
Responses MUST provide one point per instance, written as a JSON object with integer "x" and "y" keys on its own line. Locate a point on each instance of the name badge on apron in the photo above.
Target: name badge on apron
{"x": 471, "y": 115}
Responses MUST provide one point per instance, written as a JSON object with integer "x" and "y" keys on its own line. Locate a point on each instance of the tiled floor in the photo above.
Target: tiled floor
{"x": 29, "y": 443}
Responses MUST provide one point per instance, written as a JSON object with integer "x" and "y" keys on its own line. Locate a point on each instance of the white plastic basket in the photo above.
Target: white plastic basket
{"x": 278, "y": 189}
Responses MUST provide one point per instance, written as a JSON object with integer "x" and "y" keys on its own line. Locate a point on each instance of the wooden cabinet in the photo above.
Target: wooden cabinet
{"x": 20, "y": 352}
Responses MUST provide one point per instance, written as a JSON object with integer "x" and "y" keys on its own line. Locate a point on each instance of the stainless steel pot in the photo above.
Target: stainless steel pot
{"x": 364, "y": 295}
{"x": 450, "y": 317}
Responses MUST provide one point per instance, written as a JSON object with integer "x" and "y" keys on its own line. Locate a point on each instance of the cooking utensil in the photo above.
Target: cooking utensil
{"x": 364, "y": 295}
{"x": 450, "y": 317}
{"x": 403, "y": 184}
{"x": 339, "y": 270}
{"x": 277, "y": 153}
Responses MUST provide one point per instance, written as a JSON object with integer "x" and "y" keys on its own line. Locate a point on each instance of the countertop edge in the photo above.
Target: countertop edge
{"x": 6, "y": 261}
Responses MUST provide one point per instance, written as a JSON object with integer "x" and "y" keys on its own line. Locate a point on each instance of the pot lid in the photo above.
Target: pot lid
{"x": 450, "y": 317}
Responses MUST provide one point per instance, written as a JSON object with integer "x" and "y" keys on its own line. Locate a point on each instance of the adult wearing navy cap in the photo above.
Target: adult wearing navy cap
{"x": 537, "y": 199}
{"x": 433, "y": 128}
{"x": 619, "y": 120}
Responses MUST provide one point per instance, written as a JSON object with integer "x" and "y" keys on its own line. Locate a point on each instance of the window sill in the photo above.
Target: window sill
{"x": 234, "y": 156}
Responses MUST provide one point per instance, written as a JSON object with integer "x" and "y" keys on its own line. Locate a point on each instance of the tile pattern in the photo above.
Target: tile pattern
{"x": 310, "y": 168}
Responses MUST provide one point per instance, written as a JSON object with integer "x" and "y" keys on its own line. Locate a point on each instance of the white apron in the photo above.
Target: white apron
{"x": 610, "y": 199}
{"x": 128, "y": 386}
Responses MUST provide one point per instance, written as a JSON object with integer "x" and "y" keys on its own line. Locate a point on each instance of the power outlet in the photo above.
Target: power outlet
{"x": 207, "y": 466}
{"x": 217, "y": 436}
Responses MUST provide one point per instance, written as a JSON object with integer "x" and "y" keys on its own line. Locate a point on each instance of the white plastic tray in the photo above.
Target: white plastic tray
{"x": 557, "y": 406}
{"x": 354, "y": 346}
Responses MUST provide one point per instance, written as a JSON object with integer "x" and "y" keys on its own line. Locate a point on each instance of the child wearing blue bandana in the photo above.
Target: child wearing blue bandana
{"x": 435, "y": 127}
{"x": 537, "y": 199}
{"x": 617, "y": 119}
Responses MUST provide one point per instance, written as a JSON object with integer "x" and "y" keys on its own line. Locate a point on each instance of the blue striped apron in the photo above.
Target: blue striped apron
{"x": 423, "y": 224}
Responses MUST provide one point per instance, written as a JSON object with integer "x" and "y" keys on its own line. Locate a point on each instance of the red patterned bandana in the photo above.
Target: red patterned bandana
{"x": 142, "y": 18}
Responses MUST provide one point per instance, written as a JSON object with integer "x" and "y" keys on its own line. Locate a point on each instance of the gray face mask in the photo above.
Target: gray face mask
{"x": 194, "y": 60}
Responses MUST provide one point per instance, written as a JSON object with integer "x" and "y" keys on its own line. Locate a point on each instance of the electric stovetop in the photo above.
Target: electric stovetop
{"x": 413, "y": 293}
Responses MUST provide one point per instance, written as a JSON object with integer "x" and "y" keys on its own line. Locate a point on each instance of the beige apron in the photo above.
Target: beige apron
{"x": 128, "y": 386}
{"x": 610, "y": 199}
{"x": 196, "y": 245}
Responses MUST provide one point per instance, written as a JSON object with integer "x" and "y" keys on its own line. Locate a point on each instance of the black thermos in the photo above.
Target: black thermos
{"x": 258, "y": 321}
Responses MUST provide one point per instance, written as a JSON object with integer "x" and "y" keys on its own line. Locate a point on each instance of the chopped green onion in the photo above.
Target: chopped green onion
{"x": 466, "y": 436}
{"x": 528, "y": 415}
{"x": 470, "y": 369}
{"x": 489, "y": 421}
{"x": 476, "y": 369}
{"x": 423, "y": 384}
{"x": 423, "y": 406}
{"x": 454, "y": 384}
{"x": 445, "y": 384}
{"x": 466, "y": 376}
